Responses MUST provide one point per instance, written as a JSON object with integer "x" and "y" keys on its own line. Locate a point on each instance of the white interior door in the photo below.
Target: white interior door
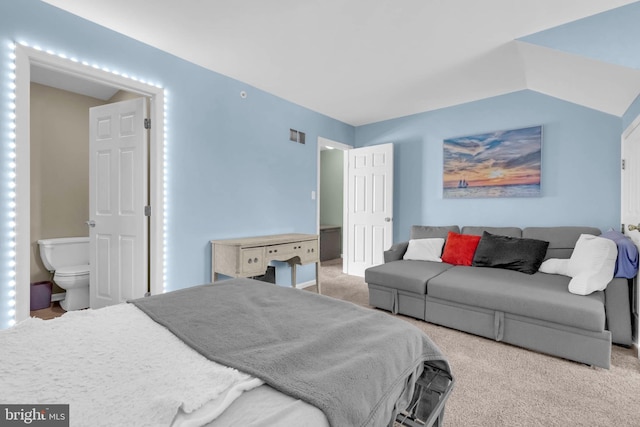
{"x": 630, "y": 210}
{"x": 369, "y": 210}
{"x": 118, "y": 196}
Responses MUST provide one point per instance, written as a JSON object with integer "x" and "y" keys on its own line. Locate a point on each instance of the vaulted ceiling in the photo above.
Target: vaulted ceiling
{"x": 362, "y": 61}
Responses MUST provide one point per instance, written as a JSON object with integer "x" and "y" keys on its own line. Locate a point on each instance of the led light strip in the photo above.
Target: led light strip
{"x": 10, "y": 309}
{"x": 11, "y": 187}
{"x": 164, "y": 196}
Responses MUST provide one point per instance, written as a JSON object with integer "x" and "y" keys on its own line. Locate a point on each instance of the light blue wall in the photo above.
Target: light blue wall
{"x": 612, "y": 36}
{"x": 231, "y": 169}
{"x": 580, "y": 164}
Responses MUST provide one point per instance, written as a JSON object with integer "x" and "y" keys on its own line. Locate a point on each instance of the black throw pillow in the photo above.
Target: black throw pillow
{"x": 511, "y": 253}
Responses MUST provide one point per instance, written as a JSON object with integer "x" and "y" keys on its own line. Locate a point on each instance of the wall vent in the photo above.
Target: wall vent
{"x": 297, "y": 136}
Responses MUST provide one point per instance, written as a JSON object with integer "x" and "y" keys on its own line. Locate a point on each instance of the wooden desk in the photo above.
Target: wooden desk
{"x": 250, "y": 256}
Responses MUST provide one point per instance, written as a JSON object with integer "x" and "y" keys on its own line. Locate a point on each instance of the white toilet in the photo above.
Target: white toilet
{"x": 69, "y": 258}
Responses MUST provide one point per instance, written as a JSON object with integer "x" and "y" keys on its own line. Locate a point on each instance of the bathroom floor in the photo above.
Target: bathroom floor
{"x": 51, "y": 312}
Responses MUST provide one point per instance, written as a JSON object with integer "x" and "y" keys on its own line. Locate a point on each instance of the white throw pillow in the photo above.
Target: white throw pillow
{"x": 425, "y": 249}
{"x": 592, "y": 264}
{"x": 555, "y": 266}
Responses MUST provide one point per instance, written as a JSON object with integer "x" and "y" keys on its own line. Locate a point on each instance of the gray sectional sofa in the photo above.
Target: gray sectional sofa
{"x": 534, "y": 311}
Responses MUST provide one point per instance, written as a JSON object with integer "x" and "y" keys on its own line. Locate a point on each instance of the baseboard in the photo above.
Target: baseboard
{"x": 58, "y": 296}
{"x": 305, "y": 284}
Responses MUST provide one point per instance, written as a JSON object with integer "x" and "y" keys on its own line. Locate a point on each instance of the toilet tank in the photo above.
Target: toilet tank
{"x": 64, "y": 252}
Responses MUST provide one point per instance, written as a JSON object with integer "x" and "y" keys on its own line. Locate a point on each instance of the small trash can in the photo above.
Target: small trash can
{"x": 41, "y": 295}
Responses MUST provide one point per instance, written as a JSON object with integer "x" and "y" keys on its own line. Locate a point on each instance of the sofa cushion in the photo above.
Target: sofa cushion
{"x": 424, "y": 249}
{"x": 512, "y": 253}
{"x": 410, "y": 276}
{"x": 459, "y": 248}
{"x": 561, "y": 240}
{"x": 428, "y": 231}
{"x": 500, "y": 231}
{"x": 538, "y": 296}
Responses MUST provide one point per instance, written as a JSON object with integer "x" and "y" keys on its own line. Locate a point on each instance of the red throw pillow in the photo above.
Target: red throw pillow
{"x": 459, "y": 248}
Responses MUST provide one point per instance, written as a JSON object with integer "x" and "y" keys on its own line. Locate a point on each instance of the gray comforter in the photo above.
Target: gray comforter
{"x": 357, "y": 365}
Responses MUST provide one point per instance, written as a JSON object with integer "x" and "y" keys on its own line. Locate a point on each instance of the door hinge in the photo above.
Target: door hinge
{"x": 147, "y": 211}
{"x": 624, "y": 164}
{"x": 147, "y": 123}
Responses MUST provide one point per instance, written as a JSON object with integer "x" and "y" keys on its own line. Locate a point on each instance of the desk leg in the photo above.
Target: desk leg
{"x": 214, "y": 275}
{"x": 293, "y": 274}
{"x": 318, "y": 277}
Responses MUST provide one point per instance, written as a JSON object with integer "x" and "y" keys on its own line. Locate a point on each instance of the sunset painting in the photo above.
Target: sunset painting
{"x": 497, "y": 164}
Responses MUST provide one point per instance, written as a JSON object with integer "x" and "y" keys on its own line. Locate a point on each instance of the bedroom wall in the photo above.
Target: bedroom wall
{"x": 231, "y": 171}
{"x": 612, "y": 36}
{"x": 580, "y": 164}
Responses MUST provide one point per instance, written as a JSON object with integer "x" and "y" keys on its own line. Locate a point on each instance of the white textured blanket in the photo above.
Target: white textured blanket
{"x": 114, "y": 366}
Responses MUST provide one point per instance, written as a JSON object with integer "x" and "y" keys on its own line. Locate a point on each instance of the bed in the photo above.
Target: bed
{"x": 237, "y": 352}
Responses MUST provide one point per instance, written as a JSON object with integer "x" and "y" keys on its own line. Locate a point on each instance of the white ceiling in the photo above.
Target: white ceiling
{"x": 362, "y": 61}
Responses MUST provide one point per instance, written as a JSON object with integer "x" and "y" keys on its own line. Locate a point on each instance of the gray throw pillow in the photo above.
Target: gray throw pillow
{"x": 511, "y": 253}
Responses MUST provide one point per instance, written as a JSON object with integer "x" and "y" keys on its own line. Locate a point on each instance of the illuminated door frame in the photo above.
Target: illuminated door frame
{"x": 25, "y": 56}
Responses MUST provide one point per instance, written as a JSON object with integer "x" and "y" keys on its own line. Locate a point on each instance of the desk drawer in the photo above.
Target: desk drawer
{"x": 307, "y": 251}
{"x": 310, "y": 251}
{"x": 252, "y": 262}
{"x": 282, "y": 252}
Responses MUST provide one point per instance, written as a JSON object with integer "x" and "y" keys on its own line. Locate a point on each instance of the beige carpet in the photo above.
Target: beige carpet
{"x": 502, "y": 385}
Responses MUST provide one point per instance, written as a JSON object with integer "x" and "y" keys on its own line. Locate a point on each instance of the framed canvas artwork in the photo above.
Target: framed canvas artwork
{"x": 496, "y": 164}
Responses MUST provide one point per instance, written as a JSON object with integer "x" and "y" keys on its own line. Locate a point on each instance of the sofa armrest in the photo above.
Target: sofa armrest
{"x": 395, "y": 252}
{"x": 618, "y": 311}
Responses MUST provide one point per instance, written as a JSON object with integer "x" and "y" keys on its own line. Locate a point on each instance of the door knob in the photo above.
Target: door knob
{"x": 91, "y": 223}
{"x": 387, "y": 219}
{"x": 632, "y": 227}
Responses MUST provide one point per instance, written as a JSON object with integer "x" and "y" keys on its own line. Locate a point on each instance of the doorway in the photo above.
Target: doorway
{"x": 331, "y": 212}
{"x": 630, "y": 207}
{"x": 367, "y": 221}
{"x": 26, "y": 57}
{"x": 60, "y": 160}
